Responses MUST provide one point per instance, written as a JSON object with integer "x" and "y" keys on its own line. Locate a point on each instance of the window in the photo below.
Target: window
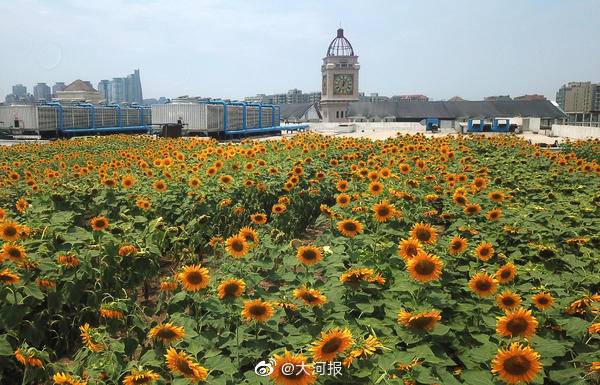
{"x": 341, "y": 114}
{"x": 16, "y": 125}
{"x": 337, "y": 114}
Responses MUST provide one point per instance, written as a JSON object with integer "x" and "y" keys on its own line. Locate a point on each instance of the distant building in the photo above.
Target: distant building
{"x": 373, "y": 97}
{"x": 409, "y": 98}
{"x": 293, "y": 96}
{"x": 58, "y": 86}
{"x": 19, "y": 90}
{"x": 531, "y": 97}
{"x": 496, "y": 98}
{"x": 456, "y": 99}
{"x": 79, "y": 91}
{"x": 122, "y": 90}
{"x": 581, "y": 102}
{"x": 41, "y": 92}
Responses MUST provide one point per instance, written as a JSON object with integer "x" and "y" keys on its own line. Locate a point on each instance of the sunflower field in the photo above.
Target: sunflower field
{"x": 305, "y": 260}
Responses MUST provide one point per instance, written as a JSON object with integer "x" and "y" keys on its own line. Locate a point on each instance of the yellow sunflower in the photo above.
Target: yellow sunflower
{"x": 483, "y": 284}
{"x": 343, "y": 200}
{"x": 423, "y": 321}
{"x": 14, "y": 252}
{"x": 457, "y": 245}
{"x": 141, "y": 377}
{"x": 258, "y": 218}
{"x": 99, "y": 223}
{"x": 180, "y": 363}
{"x": 409, "y": 248}
{"x": 87, "y": 337}
{"x": 249, "y": 234}
{"x": 375, "y": 187}
{"x": 543, "y": 300}
{"x": 62, "y": 378}
{"x": 160, "y": 186}
{"x": 424, "y": 267}
{"x": 237, "y": 246}
{"x": 424, "y": 233}
{"x": 506, "y": 273}
{"x": 516, "y": 364}
{"x": 292, "y": 369}
{"x": 9, "y": 231}
{"x": 311, "y": 297}
{"x": 194, "y": 277}
{"x": 331, "y": 343}
{"x": 309, "y": 255}
{"x": 257, "y": 310}
{"x": 7, "y": 277}
{"x": 350, "y": 227}
{"x": 517, "y": 323}
{"x": 484, "y": 251}
{"x": 383, "y": 211}
{"x": 508, "y": 300}
{"x": 231, "y": 288}
{"x": 493, "y": 214}
{"x": 167, "y": 333}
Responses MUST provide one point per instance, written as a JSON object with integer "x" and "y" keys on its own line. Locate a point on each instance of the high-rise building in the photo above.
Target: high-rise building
{"x": 19, "y": 90}
{"x": 578, "y": 97}
{"x": 293, "y": 96}
{"x": 58, "y": 86}
{"x": 339, "y": 75}
{"x": 41, "y": 92}
{"x": 409, "y": 98}
{"x": 497, "y": 98}
{"x": 122, "y": 90}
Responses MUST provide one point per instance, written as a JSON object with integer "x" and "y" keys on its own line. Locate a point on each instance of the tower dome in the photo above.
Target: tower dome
{"x": 340, "y": 46}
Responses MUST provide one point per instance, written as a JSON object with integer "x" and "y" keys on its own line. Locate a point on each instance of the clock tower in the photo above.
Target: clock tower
{"x": 339, "y": 79}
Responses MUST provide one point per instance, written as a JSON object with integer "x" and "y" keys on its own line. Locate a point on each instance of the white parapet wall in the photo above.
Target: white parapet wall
{"x": 366, "y": 128}
{"x": 575, "y": 132}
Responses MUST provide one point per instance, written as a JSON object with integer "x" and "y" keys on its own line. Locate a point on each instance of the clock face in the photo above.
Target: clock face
{"x": 324, "y": 85}
{"x": 343, "y": 84}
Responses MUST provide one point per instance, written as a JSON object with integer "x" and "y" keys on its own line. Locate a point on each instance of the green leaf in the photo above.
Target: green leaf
{"x": 547, "y": 347}
{"x": 5, "y": 346}
{"x": 477, "y": 377}
{"x": 574, "y": 327}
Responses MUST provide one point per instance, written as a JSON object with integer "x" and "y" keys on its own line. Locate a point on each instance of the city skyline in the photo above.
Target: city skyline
{"x": 461, "y": 48}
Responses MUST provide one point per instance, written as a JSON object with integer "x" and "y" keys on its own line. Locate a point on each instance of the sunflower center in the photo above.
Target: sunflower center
{"x": 484, "y": 251}
{"x": 383, "y": 211}
{"x": 10, "y": 231}
{"x": 237, "y": 245}
{"x": 517, "y": 325}
{"x": 231, "y": 289}
{"x": 505, "y": 274}
{"x": 542, "y": 300}
{"x": 422, "y": 323}
{"x": 423, "y": 235}
{"x": 14, "y": 252}
{"x": 456, "y": 245}
{"x": 332, "y": 345}
{"x": 166, "y": 333}
{"x": 257, "y": 310}
{"x": 483, "y": 285}
{"x": 194, "y": 278}
{"x": 517, "y": 365}
{"x": 308, "y": 297}
{"x": 412, "y": 250}
{"x": 424, "y": 267}
{"x": 309, "y": 254}
{"x": 508, "y": 301}
{"x": 100, "y": 223}
{"x": 184, "y": 367}
{"x": 349, "y": 226}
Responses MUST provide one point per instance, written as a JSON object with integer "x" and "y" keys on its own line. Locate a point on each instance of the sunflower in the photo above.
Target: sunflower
{"x": 517, "y": 323}
{"x": 370, "y": 346}
{"x": 88, "y": 339}
{"x": 237, "y": 246}
{"x": 28, "y": 358}
{"x": 508, "y": 300}
{"x": 127, "y": 250}
{"x": 484, "y": 251}
{"x": 167, "y": 333}
{"x": 424, "y": 233}
{"x": 249, "y": 234}
{"x": 375, "y": 187}
{"x": 383, "y": 211}
{"x": 472, "y": 208}
{"x": 110, "y": 313}
{"x": 141, "y": 377}
{"x": 62, "y": 378}
{"x": 493, "y": 214}
{"x": 159, "y": 185}
{"x": 331, "y": 343}
{"x": 409, "y": 248}
{"x": 543, "y": 301}
{"x": 258, "y": 218}
{"x": 350, "y": 227}
{"x": 342, "y": 200}
{"x": 9, "y": 231}
{"x": 99, "y": 223}
{"x": 21, "y": 205}
{"x": 483, "y": 284}
{"x": 194, "y": 277}
{"x": 292, "y": 369}
{"x": 342, "y": 185}
{"x": 278, "y": 208}
{"x": 594, "y": 328}
{"x": 180, "y": 363}
{"x": 14, "y": 252}
{"x": 309, "y": 255}
{"x": 354, "y": 277}
{"x": 257, "y": 310}
{"x": 457, "y": 245}
{"x": 516, "y": 364}
{"x": 424, "y": 321}
{"x": 127, "y": 181}
{"x": 506, "y": 273}
{"x": 231, "y": 288}
{"x": 496, "y": 196}
{"x": 311, "y": 297}
{"x": 67, "y": 260}
{"x": 424, "y": 267}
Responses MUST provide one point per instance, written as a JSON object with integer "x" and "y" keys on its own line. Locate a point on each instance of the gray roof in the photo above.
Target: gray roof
{"x": 294, "y": 111}
{"x": 457, "y": 109}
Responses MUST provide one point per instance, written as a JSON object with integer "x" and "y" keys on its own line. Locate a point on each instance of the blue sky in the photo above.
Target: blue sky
{"x": 239, "y": 48}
